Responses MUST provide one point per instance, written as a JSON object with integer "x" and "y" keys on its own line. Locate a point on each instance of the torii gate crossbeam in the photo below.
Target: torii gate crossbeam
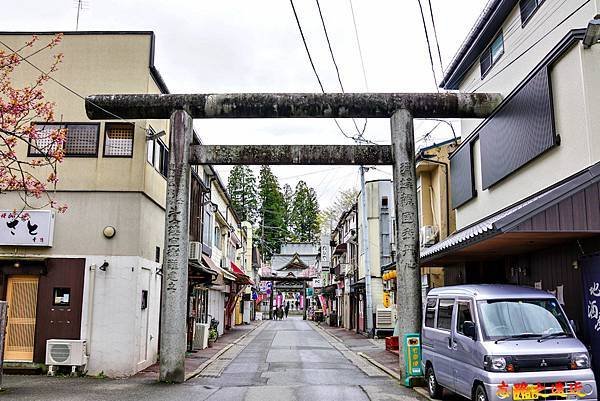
{"x": 401, "y": 108}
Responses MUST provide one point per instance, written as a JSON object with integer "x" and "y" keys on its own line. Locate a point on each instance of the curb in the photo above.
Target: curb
{"x": 387, "y": 370}
{"x": 419, "y": 390}
{"x": 216, "y": 356}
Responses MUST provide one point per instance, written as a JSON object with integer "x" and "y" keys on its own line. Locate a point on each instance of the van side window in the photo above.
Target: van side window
{"x": 444, "y": 318}
{"x": 464, "y": 315}
{"x": 430, "y": 312}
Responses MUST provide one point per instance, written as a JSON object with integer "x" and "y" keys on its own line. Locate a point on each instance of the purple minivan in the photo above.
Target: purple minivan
{"x": 502, "y": 342}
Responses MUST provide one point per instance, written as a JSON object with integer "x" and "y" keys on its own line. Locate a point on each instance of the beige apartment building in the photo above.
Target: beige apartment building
{"x": 526, "y": 180}
{"x": 98, "y": 277}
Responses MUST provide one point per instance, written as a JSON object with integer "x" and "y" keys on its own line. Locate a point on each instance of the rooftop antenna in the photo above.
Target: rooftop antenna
{"x": 81, "y": 5}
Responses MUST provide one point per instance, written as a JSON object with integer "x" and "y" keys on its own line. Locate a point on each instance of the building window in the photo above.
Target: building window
{"x": 528, "y": 8}
{"x": 218, "y": 237}
{"x": 118, "y": 139}
{"x": 81, "y": 139}
{"x": 492, "y": 54}
{"x": 150, "y": 152}
{"x": 144, "y": 299}
{"x": 158, "y": 156}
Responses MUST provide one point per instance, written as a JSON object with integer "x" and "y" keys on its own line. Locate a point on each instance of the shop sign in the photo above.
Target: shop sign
{"x": 528, "y": 391}
{"x": 309, "y": 292}
{"x": 317, "y": 282}
{"x": 325, "y": 253}
{"x": 28, "y": 228}
{"x": 412, "y": 355}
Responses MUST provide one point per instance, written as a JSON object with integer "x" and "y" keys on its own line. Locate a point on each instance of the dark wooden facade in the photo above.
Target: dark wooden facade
{"x": 52, "y": 321}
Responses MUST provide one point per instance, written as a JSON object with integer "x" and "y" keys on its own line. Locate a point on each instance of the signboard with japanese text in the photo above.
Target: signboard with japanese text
{"x": 412, "y": 355}
{"x": 590, "y": 268}
{"x": 325, "y": 252}
{"x": 528, "y": 391}
{"x": 27, "y": 228}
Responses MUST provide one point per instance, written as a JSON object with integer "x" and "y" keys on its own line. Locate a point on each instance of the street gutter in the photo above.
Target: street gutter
{"x": 216, "y": 356}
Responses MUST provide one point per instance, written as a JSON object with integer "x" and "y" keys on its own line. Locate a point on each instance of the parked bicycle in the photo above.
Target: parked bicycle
{"x": 213, "y": 329}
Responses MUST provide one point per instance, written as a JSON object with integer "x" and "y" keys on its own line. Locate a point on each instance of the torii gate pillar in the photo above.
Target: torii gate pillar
{"x": 175, "y": 269}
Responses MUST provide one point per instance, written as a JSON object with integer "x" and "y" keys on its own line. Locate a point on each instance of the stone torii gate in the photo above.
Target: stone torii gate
{"x": 400, "y": 108}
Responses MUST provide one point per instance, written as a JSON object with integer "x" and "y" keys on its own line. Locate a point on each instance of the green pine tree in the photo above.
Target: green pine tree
{"x": 242, "y": 190}
{"x": 304, "y": 217}
{"x": 272, "y": 228}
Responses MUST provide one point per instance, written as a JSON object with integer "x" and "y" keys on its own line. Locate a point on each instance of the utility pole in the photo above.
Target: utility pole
{"x": 365, "y": 244}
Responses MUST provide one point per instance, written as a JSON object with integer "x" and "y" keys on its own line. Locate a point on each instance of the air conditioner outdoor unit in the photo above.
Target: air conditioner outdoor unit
{"x": 429, "y": 235}
{"x": 65, "y": 353}
{"x": 195, "y": 250}
{"x": 201, "y": 336}
{"x": 385, "y": 318}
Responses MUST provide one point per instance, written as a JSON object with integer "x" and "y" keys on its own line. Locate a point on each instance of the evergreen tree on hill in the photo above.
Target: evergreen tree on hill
{"x": 242, "y": 190}
{"x": 304, "y": 217}
{"x": 272, "y": 228}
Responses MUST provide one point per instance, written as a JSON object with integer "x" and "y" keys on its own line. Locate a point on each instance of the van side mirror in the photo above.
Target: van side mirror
{"x": 469, "y": 329}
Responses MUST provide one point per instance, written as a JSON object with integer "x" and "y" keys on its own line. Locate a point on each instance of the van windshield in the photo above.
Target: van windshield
{"x": 506, "y": 319}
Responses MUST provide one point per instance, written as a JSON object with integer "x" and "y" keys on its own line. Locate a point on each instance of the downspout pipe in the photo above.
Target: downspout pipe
{"x": 90, "y": 311}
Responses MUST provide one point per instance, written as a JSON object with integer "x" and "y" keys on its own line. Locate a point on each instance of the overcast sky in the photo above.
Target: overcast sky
{"x": 255, "y": 46}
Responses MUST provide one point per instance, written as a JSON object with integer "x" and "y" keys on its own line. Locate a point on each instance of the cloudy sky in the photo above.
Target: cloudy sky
{"x": 255, "y": 46}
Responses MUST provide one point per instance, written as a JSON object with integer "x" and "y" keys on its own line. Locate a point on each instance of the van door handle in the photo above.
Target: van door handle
{"x": 449, "y": 342}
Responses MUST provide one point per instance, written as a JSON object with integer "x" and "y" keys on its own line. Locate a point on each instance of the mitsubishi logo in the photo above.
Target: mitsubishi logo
{"x": 543, "y": 364}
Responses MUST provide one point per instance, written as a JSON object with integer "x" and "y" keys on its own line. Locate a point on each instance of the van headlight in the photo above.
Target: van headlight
{"x": 495, "y": 363}
{"x": 580, "y": 360}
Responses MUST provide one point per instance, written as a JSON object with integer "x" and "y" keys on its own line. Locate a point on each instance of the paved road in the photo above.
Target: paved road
{"x": 281, "y": 360}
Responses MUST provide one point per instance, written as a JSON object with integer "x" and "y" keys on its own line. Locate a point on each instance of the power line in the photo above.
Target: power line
{"x": 437, "y": 42}
{"x": 435, "y": 81}
{"x": 310, "y": 59}
{"x": 312, "y": 64}
{"x": 362, "y": 60}
{"x": 337, "y": 70}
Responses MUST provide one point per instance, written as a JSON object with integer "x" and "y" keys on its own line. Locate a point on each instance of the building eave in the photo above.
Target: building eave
{"x": 487, "y": 25}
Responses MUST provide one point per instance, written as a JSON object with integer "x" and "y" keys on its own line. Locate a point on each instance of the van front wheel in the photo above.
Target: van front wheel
{"x": 480, "y": 394}
{"x": 434, "y": 389}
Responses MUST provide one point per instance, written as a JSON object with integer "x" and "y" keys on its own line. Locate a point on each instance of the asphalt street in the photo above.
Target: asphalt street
{"x": 284, "y": 360}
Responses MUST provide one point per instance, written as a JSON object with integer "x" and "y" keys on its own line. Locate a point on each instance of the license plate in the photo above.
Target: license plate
{"x": 528, "y": 393}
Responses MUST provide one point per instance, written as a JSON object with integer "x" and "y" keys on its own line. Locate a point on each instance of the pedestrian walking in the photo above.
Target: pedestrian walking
{"x": 287, "y": 309}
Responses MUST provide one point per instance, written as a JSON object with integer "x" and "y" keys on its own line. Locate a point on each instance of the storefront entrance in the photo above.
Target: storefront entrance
{"x": 21, "y": 295}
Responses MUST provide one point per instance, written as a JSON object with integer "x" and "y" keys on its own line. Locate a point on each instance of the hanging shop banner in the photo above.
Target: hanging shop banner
{"x": 590, "y": 268}
{"x": 27, "y": 228}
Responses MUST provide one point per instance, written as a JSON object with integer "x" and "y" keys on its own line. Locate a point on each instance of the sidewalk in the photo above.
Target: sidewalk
{"x": 196, "y": 361}
{"x": 372, "y": 350}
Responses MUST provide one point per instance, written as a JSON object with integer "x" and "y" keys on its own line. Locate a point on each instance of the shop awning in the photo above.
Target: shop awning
{"x": 241, "y": 277}
{"x": 198, "y": 272}
{"x": 568, "y": 210}
{"x": 340, "y": 248}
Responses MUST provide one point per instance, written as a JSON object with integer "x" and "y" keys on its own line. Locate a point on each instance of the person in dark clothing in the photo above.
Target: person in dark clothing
{"x": 287, "y": 309}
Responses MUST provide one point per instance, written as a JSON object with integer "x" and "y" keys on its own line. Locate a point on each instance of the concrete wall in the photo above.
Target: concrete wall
{"x": 574, "y": 85}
